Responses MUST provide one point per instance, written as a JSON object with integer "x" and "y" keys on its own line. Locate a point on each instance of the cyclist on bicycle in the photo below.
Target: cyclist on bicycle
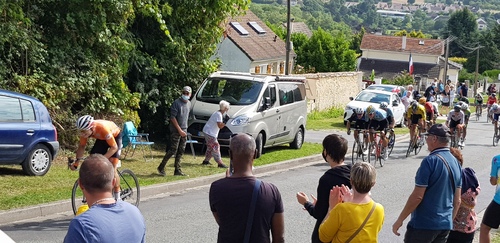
{"x": 429, "y": 110}
{"x": 479, "y": 103}
{"x": 378, "y": 122}
{"x": 492, "y": 99}
{"x": 108, "y": 142}
{"x": 415, "y": 115}
{"x": 360, "y": 119}
{"x": 456, "y": 119}
{"x": 466, "y": 111}
{"x": 390, "y": 116}
{"x": 494, "y": 114}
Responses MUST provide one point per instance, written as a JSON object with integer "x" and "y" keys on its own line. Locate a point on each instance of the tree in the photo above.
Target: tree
{"x": 462, "y": 24}
{"x": 325, "y": 53}
{"x": 488, "y": 55}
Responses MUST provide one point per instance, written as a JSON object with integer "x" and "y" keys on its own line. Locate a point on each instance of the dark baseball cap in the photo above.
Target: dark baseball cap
{"x": 439, "y": 130}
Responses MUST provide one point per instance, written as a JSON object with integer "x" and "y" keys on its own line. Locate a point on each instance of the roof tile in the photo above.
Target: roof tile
{"x": 395, "y": 43}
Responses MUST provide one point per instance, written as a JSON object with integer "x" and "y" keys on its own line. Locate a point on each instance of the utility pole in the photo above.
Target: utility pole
{"x": 287, "y": 59}
{"x": 477, "y": 70}
{"x": 445, "y": 74}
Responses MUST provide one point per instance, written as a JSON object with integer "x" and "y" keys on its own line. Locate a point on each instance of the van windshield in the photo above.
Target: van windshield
{"x": 234, "y": 91}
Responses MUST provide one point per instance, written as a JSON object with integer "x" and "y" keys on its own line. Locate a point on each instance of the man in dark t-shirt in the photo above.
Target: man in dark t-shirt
{"x": 230, "y": 199}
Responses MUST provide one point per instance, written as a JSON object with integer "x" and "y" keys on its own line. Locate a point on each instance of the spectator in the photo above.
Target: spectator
{"x": 440, "y": 87}
{"x": 491, "y": 217}
{"x": 211, "y": 131}
{"x": 445, "y": 99}
{"x": 408, "y": 96}
{"x": 230, "y": 199}
{"x": 463, "y": 90}
{"x": 430, "y": 92}
{"x": 353, "y": 216}
{"x": 434, "y": 202}
{"x": 452, "y": 95}
{"x": 334, "y": 150}
{"x": 179, "y": 114}
{"x": 107, "y": 220}
{"x": 464, "y": 224}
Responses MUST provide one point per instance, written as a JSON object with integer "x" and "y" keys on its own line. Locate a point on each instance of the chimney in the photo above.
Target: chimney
{"x": 403, "y": 46}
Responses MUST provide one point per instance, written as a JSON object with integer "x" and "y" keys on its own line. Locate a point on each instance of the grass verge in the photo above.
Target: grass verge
{"x": 19, "y": 190}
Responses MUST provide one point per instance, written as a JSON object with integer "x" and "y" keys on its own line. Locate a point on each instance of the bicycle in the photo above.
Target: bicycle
{"x": 391, "y": 138}
{"x": 455, "y": 140}
{"x": 416, "y": 143}
{"x": 375, "y": 150}
{"x": 479, "y": 111}
{"x": 130, "y": 190}
{"x": 496, "y": 137}
{"x": 360, "y": 146}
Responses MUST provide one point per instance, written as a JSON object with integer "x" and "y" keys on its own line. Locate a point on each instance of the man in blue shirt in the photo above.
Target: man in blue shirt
{"x": 491, "y": 218}
{"x": 435, "y": 199}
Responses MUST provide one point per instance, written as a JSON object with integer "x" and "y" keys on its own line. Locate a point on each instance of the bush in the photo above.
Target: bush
{"x": 333, "y": 112}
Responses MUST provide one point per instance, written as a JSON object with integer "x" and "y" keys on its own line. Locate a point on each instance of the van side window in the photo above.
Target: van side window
{"x": 290, "y": 93}
{"x": 28, "y": 111}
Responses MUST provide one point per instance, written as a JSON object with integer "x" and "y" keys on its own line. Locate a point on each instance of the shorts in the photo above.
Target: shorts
{"x": 360, "y": 124}
{"x": 101, "y": 147}
{"x": 446, "y": 104}
{"x": 415, "y": 118}
{"x": 429, "y": 116}
{"x": 491, "y": 217}
{"x": 454, "y": 123}
{"x": 413, "y": 235}
{"x": 495, "y": 116}
{"x": 479, "y": 102}
{"x": 378, "y": 125}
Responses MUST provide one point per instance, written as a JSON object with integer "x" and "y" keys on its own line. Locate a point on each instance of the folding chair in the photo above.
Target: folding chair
{"x": 191, "y": 142}
{"x": 131, "y": 139}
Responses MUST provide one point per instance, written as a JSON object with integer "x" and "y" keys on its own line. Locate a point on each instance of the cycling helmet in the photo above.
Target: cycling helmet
{"x": 370, "y": 109}
{"x": 383, "y": 105}
{"x": 359, "y": 111}
{"x": 418, "y": 96}
{"x": 465, "y": 106}
{"x": 422, "y": 100}
{"x": 414, "y": 106}
{"x": 494, "y": 106}
{"x": 84, "y": 122}
{"x": 457, "y": 108}
{"x": 493, "y": 95}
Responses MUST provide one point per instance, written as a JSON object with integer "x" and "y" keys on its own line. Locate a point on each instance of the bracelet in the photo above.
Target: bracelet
{"x": 307, "y": 203}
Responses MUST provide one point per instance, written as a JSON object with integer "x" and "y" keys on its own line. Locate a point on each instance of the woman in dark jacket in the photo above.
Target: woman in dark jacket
{"x": 334, "y": 150}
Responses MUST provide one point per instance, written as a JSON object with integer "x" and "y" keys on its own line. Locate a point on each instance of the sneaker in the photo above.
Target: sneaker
{"x": 179, "y": 173}
{"x": 385, "y": 155}
{"x": 161, "y": 172}
{"x": 206, "y": 162}
{"x": 222, "y": 166}
{"x": 365, "y": 152}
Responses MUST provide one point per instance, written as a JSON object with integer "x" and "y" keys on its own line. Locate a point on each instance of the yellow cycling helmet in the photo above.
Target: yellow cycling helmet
{"x": 370, "y": 109}
{"x": 422, "y": 100}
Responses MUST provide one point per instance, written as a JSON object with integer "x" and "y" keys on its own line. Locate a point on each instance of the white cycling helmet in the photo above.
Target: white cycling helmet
{"x": 494, "y": 107}
{"x": 465, "y": 106}
{"x": 383, "y": 105}
{"x": 359, "y": 111}
{"x": 84, "y": 122}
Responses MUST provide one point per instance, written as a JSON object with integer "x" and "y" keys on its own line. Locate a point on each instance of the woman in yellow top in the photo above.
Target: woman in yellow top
{"x": 348, "y": 210}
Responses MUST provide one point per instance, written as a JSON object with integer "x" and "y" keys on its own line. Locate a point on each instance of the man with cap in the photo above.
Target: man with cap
{"x": 179, "y": 114}
{"x": 435, "y": 199}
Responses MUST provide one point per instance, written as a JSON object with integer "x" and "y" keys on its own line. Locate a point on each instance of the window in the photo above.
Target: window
{"x": 10, "y": 110}
{"x": 234, "y": 91}
{"x": 239, "y": 28}
{"x": 27, "y": 110}
{"x": 256, "y": 27}
{"x": 271, "y": 93}
{"x": 290, "y": 93}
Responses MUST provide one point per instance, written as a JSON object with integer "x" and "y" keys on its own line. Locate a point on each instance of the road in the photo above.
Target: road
{"x": 185, "y": 216}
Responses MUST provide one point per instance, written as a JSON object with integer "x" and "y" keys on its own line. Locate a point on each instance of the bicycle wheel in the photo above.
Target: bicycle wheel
{"x": 420, "y": 145}
{"x": 355, "y": 152}
{"x": 77, "y": 197}
{"x": 129, "y": 187}
{"x": 365, "y": 148}
{"x": 392, "y": 141}
{"x": 410, "y": 148}
{"x": 371, "y": 153}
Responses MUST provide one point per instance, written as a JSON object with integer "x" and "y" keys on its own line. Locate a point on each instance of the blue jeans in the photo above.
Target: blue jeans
{"x": 425, "y": 236}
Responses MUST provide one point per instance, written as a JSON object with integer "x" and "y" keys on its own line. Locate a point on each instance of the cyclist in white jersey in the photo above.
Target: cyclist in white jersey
{"x": 494, "y": 114}
{"x": 456, "y": 119}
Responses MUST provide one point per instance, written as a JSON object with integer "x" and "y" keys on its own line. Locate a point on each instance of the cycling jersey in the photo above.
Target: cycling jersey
{"x": 103, "y": 130}
{"x": 456, "y": 116}
{"x": 493, "y": 112}
{"x": 492, "y": 100}
{"x": 419, "y": 112}
{"x": 429, "y": 107}
{"x": 380, "y": 115}
{"x": 359, "y": 123}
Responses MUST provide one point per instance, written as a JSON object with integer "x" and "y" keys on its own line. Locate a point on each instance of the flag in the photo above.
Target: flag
{"x": 410, "y": 66}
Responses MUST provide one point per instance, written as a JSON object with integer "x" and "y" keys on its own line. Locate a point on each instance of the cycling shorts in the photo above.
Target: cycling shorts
{"x": 360, "y": 124}
{"x": 378, "y": 125}
{"x": 495, "y": 116}
{"x": 429, "y": 116}
{"x": 415, "y": 118}
{"x": 479, "y": 102}
{"x": 454, "y": 123}
{"x": 101, "y": 147}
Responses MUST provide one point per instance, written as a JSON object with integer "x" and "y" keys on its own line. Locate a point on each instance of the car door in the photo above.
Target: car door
{"x": 272, "y": 115}
{"x": 398, "y": 108}
{"x": 17, "y": 128}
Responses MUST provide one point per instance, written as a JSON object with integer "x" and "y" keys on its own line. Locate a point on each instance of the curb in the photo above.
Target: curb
{"x": 64, "y": 206}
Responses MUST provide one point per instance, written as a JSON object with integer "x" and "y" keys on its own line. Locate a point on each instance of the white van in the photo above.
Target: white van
{"x": 272, "y": 109}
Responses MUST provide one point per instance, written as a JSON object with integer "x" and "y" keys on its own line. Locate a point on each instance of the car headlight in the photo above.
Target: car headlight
{"x": 240, "y": 121}
{"x": 348, "y": 108}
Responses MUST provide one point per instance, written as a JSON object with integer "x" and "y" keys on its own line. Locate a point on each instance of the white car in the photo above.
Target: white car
{"x": 368, "y": 97}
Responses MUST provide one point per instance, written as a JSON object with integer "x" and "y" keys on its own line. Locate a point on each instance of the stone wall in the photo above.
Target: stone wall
{"x": 326, "y": 90}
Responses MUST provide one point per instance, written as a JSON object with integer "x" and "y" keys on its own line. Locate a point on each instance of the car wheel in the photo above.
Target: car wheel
{"x": 259, "y": 145}
{"x": 299, "y": 139}
{"x": 38, "y": 161}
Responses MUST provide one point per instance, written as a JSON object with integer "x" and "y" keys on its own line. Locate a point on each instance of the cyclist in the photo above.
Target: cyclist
{"x": 360, "y": 119}
{"x": 494, "y": 114}
{"x": 108, "y": 142}
{"x": 466, "y": 111}
{"x": 416, "y": 115}
{"x": 378, "y": 122}
{"x": 456, "y": 119}
{"x": 479, "y": 103}
{"x": 390, "y": 117}
{"x": 429, "y": 110}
